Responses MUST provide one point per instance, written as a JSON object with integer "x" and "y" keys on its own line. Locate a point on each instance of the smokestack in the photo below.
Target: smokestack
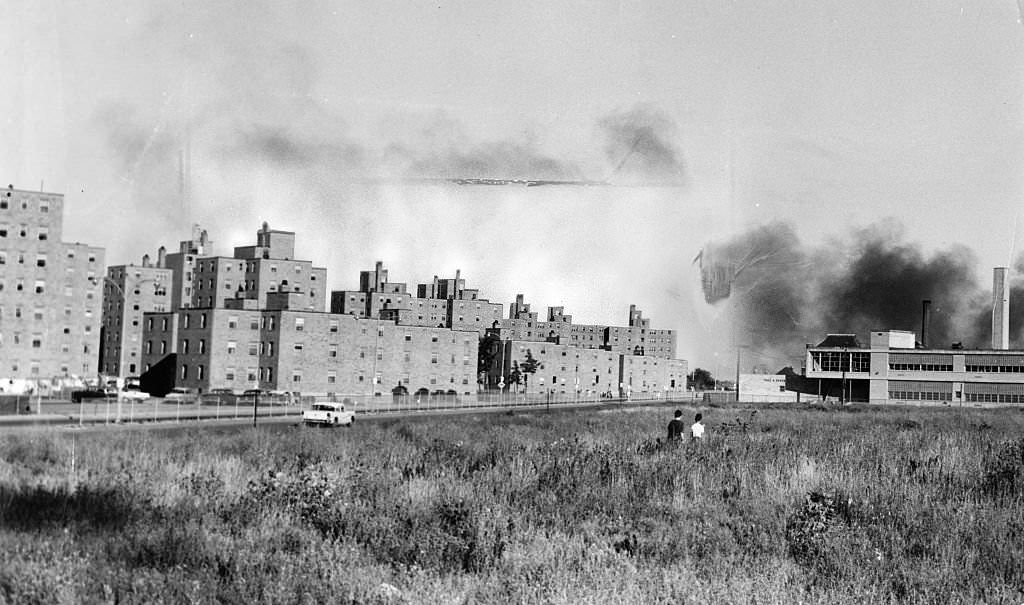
{"x": 926, "y": 321}
{"x": 1000, "y": 309}
{"x": 161, "y": 257}
{"x": 145, "y": 260}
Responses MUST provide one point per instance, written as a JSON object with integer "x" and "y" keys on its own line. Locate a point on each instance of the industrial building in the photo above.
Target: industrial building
{"x": 897, "y": 367}
{"x": 49, "y": 296}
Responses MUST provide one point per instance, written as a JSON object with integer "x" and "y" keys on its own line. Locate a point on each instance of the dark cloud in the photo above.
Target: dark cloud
{"x": 501, "y": 159}
{"x": 640, "y": 145}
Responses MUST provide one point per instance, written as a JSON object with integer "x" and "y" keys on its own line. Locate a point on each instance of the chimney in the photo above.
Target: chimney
{"x": 926, "y": 321}
{"x": 161, "y": 257}
{"x": 145, "y": 260}
{"x": 1000, "y": 309}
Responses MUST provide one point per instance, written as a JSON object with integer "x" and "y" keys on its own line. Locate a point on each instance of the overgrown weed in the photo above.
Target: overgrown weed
{"x": 778, "y": 504}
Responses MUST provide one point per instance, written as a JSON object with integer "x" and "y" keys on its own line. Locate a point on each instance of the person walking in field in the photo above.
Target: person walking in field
{"x": 676, "y": 427}
{"x": 697, "y": 428}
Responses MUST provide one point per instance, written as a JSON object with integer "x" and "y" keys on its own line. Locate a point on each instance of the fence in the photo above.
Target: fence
{"x": 225, "y": 406}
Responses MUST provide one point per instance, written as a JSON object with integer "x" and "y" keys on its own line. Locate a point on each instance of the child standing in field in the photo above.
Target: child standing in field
{"x": 675, "y": 427}
{"x": 697, "y": 429}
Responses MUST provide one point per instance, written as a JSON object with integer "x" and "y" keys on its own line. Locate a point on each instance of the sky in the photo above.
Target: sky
{"x": 819, "y": 122}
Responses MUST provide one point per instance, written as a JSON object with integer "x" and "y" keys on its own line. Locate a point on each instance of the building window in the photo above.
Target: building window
{"x": 298, "y": 346}
{"x": 163, "y": 347}
{"x": 184, "y": 346}
{"x": 187, "y": 320}
{"x": 229, "y": 374}
{"x": 202, "y": 346}
{"x": 202, "y": 320}
{"x": 331, "y": 378}
{"x": 184, "y": 371}
{"x": 296, "y": 376}
{"x": 43, "y": 233}
{"x": 332, "y": 351}
{"x": 199, "y": 372}
{"x": 233, "y": 321}
{"x": 334, "y": 325}
{"x": 253, "y": 348}
{"x": 300, "y": 323}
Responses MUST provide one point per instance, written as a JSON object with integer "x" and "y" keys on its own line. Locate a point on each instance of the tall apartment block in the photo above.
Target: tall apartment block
{"x": 49, "y": 293}
{"x": 128, "y": 292}
{"x": 192, "y": 278}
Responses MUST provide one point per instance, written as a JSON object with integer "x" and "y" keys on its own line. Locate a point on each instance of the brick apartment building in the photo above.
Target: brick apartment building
{"x": 311, "y": 352}
{"x": 49, "y": 294}
{"x": 443, "y": 303}
{"x": 257, "y": 319}
{"x": 128, "y": 292}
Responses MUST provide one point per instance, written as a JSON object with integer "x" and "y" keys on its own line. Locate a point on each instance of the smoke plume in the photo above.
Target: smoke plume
{"x": 786, "y": 293}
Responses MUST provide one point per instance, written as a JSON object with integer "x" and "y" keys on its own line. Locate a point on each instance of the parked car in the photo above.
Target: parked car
{"x": 328, "y": 413}
{"x": 218, "y": 397}
{"x": 266, "y": 397}
{"x": 181, "y": 394}
{"x": 133, "y": 394}
{"x": 80, "y": 395}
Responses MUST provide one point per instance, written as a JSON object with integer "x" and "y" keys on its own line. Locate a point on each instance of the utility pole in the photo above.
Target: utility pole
{"x": 842, "y": 394}
{"x": 737, "y": 373}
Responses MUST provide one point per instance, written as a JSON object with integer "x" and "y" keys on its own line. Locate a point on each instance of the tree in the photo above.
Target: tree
{"x": 515, "y": 377}
{"x": 530, "y": 365}
{"x": 486, "y": 354}
{"x": 700, "y": 380}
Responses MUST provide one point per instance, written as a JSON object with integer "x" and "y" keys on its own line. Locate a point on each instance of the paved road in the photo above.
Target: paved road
{"x": 156, "y": 414}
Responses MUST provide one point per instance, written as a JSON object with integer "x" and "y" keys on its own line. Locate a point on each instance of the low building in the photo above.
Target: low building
{"x": 766, "y": 388}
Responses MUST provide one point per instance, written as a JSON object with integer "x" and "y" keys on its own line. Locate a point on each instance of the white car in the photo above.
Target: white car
{"x": 133, "y": 395}
{"x": 328, "y": 414}
{"x": 181, "y": 394}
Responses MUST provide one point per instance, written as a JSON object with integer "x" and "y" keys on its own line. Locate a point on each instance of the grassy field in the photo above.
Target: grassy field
{"x": 778, "y": 505}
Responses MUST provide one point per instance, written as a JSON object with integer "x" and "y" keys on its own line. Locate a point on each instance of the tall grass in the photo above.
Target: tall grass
{"x": 777, "y": 505}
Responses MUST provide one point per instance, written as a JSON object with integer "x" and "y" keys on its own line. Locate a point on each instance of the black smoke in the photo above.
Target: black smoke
{"x": 883, "y": 281}
{"x": 786, "y": 294}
